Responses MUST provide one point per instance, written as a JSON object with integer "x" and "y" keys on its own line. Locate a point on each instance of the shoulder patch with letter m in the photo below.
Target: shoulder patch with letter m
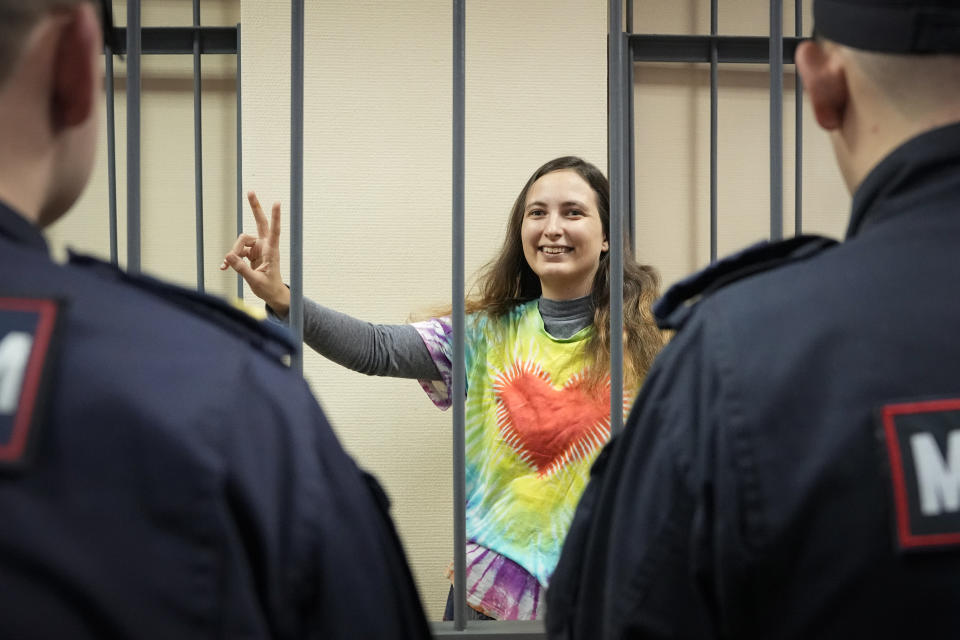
{"x": 27, "y": 340}
{"x": 923, "y": 446}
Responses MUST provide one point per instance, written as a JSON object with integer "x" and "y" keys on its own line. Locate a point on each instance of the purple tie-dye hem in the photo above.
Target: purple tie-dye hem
{"x": 500, "y": 588}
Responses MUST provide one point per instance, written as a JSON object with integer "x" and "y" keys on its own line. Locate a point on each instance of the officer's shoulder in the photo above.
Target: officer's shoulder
{"x": 270, "y": 338}
{"x": 682, "y": 299}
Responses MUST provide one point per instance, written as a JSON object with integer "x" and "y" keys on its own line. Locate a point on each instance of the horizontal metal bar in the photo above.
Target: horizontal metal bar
{"x": 499, "y": 629}
{"x": 669, "y": 48}
{"x": 174, "y": 40}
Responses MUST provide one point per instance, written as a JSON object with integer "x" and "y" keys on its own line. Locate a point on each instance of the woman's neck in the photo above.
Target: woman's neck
{"x": 563, "y": 318}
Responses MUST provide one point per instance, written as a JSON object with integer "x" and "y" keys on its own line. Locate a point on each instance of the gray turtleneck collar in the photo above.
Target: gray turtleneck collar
{"x": 563, "y": 318}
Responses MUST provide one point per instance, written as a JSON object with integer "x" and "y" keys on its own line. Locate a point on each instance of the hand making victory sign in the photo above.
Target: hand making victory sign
{"x": 262, "y": 272}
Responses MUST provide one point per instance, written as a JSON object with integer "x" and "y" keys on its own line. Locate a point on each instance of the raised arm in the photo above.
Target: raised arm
{"x": 394, "y": 350}
{"x": 377, "y": 350}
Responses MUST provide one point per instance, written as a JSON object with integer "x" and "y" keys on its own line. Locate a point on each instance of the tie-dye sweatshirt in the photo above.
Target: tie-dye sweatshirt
{"x": 533, "y": 428}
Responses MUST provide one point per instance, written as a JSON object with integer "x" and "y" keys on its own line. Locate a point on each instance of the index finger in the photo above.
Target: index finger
{"x": 263, "y": 230}
{"x": 275, "y": 226}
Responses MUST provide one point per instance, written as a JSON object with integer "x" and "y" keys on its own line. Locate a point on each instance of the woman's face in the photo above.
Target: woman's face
{"x": 562, "y": 234}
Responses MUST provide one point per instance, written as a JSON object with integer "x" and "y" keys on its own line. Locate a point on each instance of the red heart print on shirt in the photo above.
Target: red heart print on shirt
{"x": 546, "y": 426}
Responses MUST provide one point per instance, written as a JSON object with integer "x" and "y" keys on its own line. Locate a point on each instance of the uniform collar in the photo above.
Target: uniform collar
{"x": 20, "y": 230}
{"x": 929, "y": 158}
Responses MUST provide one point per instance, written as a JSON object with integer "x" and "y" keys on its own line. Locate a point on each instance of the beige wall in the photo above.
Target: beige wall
{"x": 378, "y": 185}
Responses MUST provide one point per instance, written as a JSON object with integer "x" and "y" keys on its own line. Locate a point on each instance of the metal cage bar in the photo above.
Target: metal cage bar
{"x": 798, "y": 124}
{"x": 776, "y": 119}
{"x": 730, "y": 49}
{"x": 617, "y": 116}
{"x": 133, "y": 136}
{"x": 179, "y": 40}
{"x": 714, "y": 106}
{"x": 111, "y": 152}
{"x": 239, "y": 154}
{"x": 459, "y": 318}
{"x": 296, "y": 181}
{"x": 198, "y": 143}
{"x": 631, "y": 145}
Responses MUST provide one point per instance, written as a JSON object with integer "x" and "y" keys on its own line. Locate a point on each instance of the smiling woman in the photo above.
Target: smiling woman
{"x": 563, "y": 236}
{"x": 538, "y": 372}
{"x": 511, "y": 279}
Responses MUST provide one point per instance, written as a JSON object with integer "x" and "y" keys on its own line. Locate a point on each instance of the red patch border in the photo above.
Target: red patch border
{"x": 908, "y": 539}
{"x": 13, "y": 451}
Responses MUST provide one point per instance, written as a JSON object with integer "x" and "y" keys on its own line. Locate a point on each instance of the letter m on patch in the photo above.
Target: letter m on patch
{"x": 923, "y": 446}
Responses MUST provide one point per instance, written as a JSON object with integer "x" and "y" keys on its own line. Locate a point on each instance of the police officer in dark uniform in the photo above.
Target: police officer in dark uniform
{"x": 162, "y": 473}
{"x": 791, "y": 468}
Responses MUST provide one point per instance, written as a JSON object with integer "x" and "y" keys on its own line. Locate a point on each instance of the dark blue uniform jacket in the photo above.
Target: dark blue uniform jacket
{"x": 164, "y": 475}
{"x": 791, "y": 468}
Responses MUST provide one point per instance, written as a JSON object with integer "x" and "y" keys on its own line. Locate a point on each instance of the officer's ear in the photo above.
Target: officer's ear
{"x": 75, "y": 81}
{"x": 824, "y": 80}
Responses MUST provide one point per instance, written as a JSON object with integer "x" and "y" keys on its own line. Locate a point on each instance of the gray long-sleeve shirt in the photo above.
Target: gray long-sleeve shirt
{"x": 396, "y": 350}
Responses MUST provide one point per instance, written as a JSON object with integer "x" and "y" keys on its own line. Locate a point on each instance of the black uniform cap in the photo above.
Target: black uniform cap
{"x": 891, "y": 26}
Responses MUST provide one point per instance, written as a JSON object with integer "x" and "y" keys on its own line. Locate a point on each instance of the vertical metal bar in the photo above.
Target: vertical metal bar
{"x": 296, "y": 181}
{"x": 631, "y": 142}
{"x": 111, "y": 153}
{"x": 240, "y": 199}
{"x": 459, "y": 317}
{"x": 198, "y": 143}
{"x": 714, "y": 82}
{"x": 618, "y": 162}
{"x": 776, "y": 119}
{"x": 133, "y": 136}
{"x": 798, "y": 163}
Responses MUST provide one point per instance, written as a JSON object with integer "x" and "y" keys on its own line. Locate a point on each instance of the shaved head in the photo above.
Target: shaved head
{"x": 50, "y": 82}
{"x": 17, "y": 17}
{"x": 915, "y": 85}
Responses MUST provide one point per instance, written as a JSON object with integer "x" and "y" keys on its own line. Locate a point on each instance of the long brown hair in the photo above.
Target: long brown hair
{"x": 508, "y": 280}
